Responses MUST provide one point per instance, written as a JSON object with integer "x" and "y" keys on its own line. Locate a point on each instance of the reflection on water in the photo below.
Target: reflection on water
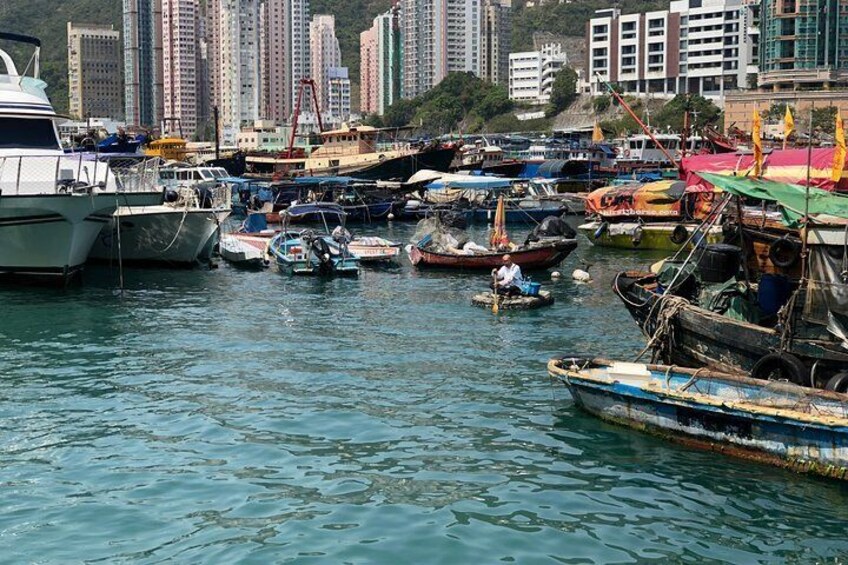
{"x": 223, "y": 416}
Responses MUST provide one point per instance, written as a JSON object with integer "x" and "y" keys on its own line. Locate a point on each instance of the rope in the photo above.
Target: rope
{"x": 662, "y": 339}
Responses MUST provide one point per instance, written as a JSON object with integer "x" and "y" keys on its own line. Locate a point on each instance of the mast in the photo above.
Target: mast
{"x": 217, "y": 133}
{"x": 807, "y": 197}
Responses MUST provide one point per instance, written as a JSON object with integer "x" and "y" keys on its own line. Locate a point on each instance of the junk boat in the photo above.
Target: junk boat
{"x": 779, "y": 423}
{"x": 53, "y": 205}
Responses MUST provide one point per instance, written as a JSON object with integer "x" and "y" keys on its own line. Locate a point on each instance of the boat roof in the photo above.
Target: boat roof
{"x": 300, "y": 210}
{"x": 20, "y": 95}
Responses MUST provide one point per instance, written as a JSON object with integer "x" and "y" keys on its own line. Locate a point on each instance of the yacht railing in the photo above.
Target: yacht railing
{"x": 38, "y": 175}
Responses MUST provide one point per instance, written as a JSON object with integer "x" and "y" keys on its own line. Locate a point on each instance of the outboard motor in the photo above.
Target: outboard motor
{"x": 341, "y": 235}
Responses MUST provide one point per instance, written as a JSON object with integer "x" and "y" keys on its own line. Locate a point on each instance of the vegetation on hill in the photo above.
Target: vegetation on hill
{"x": 664, "y": 116}
{"x": 461, "y": 102}
{"x": 48, "y": 20}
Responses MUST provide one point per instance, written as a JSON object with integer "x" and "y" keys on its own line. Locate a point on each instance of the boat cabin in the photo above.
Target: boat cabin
{"x": 172, "y": 177}
{"x": 347, "y": 141}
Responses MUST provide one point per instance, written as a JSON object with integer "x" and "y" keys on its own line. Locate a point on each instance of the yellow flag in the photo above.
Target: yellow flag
{"x": 839, "y": 149}
{"x": 788, "y": 125}
{"x": 597, "y": 134}
{"x": 757, "y": 142}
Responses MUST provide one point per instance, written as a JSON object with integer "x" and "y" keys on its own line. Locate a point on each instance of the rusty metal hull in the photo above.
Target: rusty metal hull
{"x": 732, "y": 415}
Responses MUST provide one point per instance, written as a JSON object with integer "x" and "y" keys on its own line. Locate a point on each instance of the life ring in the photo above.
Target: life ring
{"x": 781, "y": 366}
{"x": 602, "y": 229}
{"x": 784, "y": 252}
{"x": 627, "y": 153}
{"x": 838, "y": 382}
{"x": 381, "y": 157}
{"x": 679, "y": 234}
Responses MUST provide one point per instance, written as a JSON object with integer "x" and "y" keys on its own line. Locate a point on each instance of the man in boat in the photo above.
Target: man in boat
{"x": 507, "y": 279}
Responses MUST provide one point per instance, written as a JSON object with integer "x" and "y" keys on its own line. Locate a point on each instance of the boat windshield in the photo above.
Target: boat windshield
{"x": 27, "y": 133}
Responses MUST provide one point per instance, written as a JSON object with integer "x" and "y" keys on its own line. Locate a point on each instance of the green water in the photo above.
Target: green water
{"x": 222, "y": 416}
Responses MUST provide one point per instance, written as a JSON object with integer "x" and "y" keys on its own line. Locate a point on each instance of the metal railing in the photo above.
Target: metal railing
{"x": 81, "y": 173}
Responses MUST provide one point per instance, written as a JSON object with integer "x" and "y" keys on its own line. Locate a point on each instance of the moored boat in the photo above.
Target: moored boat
{"x": 308, "y": 253}
{"x": 523, "y": 302}
{"x": 660, "y": 236}
{"x": 371, "y": 249}
{"x": 244, "y": 250}
{"x": 539, "y": 255}
{"x": 779, "y": 423}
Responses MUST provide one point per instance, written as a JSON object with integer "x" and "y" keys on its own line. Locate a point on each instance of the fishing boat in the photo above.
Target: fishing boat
{"x": 244, "y": 250}
{"x": 488, "y": 159}
{"x": 372, "y": 249}
{"x": 659, "y": 215}
{"x": 758, "y": 323}
{"x": 438, "y": 245}
{"x": 797, "y": 428}
{"x": 309, "y": 253}
{"x": 53, "y": 204}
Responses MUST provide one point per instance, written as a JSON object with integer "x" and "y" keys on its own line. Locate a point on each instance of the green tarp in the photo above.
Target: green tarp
{"x": 790, "y": 197}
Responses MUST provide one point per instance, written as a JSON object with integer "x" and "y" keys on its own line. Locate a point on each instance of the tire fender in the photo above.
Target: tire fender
{"x": 789, "y": 367}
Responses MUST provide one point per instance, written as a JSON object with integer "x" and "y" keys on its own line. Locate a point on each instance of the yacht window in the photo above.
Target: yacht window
{"x": 197, "y": 175}
{"x": 166, "y": 175}
{"x": 25, "y": 133}
{"x": 206, "y": 175}
{"x": 219, "y": 173}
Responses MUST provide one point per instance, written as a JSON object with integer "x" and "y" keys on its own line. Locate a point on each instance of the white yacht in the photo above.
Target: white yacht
{"x": 183, "y": 229}
{"x": 52, "y": 204}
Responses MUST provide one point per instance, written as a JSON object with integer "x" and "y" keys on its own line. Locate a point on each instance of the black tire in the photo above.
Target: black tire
{"x": 781, "y": 366}
{"x": 784, "y": 252}
{"x": 637, "y": 237}
{"x": 679, "y": 235}
{"x": 602, "y": 229}
{"x": 838, "y": 382}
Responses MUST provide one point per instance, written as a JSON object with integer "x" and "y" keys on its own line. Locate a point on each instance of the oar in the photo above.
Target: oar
{"x": 495, "y": 293}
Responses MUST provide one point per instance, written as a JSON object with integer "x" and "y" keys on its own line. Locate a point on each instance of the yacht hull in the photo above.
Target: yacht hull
{"x": 160, "y": 234}
{"x": 50, "y": 235}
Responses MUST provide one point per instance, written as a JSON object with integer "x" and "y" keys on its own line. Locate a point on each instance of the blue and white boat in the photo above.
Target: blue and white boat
{"x": 775, "y": 422}
{"x": 308, "y": 253}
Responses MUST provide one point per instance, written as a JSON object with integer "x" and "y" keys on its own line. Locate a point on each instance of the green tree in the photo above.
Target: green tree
{"x": 777, "y": 111}
{"x": 824, "y": 119}
{"x": 601, "y": 103}
{"x": 702, "y": 112}
{"x": 563, "y": 91}
{"x": 494, "y": 103}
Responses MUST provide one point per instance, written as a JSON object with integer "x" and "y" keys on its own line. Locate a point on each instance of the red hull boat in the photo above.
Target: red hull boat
{"x": 539, "y": 256}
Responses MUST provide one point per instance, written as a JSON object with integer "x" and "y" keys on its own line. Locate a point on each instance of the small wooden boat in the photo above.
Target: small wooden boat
{"x": 662, "y": 236}
{"x": 307, "y": 253}
{"x": 244, "y": 250}
{"x": 798, "y": 428}
{"x": 487, "y": 300}
{"x": 372, "y": 249}
{"x": 538, "y": 255}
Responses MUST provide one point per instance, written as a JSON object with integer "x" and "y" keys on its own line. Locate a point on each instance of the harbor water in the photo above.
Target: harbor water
{"x": 247, "y": 417}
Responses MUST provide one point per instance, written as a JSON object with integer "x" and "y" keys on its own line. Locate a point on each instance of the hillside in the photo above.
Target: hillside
{"x": 48, "y": 20}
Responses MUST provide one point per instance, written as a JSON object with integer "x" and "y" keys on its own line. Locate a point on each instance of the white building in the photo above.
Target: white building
{"x": 264, "y": 135}
{"x": 338, "y": 95}
{"x": 532, "y": 73}
{"x": 285, "y": 55}
{"x": 325, "y": 54}
{"x": 180, "y": 66}
{"x": 696, "y": 46}
{"x": 235, "y": 63}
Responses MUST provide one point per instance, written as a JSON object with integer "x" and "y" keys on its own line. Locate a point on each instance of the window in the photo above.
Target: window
{"x": 24, "y": 133}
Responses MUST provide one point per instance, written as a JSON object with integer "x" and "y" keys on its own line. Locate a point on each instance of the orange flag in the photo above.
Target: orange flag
{"x": 757, "y": 142}
{"x": 839, "y": 149}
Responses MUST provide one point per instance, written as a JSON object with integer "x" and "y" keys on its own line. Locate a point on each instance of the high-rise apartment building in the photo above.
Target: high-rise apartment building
{"x": 234, "y": 60}
{"x": 439, "y": 36}
{"x": 181, "y": 66}
{"x": 143, "y": 99}
{"x": 94, "y": 71}
{"x": 804, "y": 42}
{"x": 368, "y": 74}
{"x": 287, "y": 55}
{"x": 338, "y": 94}
{"x": 495, "y": 40}
{"x": 325, "y": 55}
{"x": 380, "y": 63}
{"x": 696, "y": 46}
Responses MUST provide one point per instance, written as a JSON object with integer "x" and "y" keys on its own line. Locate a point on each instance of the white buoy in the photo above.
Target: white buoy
{"x": 390, "y": 216}
{"x": 582, "y": 276}
{"x": 556, "y": 275}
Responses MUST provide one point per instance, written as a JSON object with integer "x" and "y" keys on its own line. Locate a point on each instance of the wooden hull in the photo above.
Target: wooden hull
{"x": 734, "y": 415}
{"x": 705, "y": 338}
{"x": 542, "y": 257}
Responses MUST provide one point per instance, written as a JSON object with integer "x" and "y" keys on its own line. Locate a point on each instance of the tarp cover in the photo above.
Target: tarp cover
{"x": 662, "y": 199}
{"x": 827, "y": 293}
{"x": 789, "y": 166}
{"x": 790, "y": 197}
